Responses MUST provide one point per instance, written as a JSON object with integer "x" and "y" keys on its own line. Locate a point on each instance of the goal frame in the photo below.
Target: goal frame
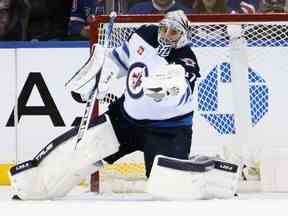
{"x": 201, "y": 19}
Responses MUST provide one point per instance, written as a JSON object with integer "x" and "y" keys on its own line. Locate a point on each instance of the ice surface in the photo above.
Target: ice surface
{"x": 80, "y": 202}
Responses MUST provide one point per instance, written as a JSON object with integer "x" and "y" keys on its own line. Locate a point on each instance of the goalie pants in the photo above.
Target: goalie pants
{"x": 173, "y": 141}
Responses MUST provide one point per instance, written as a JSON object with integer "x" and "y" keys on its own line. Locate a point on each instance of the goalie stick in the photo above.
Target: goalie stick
{"x": 93, "y": 94}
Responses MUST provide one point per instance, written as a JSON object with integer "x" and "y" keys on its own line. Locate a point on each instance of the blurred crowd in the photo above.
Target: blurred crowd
{"x": 43, "y": 20}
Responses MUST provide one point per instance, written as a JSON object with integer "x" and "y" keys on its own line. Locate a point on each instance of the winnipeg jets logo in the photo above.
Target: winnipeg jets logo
{"x": 188, "y": 61}
{"x": 134, "y": 79}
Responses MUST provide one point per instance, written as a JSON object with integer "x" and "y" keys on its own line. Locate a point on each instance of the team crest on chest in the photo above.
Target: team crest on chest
{"x": 134, "y": 79}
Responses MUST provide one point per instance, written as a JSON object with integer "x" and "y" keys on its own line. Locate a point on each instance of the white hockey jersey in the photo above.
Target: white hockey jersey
{"x": 140, "y": 56}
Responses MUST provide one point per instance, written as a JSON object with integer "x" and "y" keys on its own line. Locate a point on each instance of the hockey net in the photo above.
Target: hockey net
{"x": 239, "y": 99}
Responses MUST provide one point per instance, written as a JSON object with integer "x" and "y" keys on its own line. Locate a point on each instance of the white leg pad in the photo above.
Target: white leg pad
{"x": 60, "y": 167}
{"x": 168, "y": 184}
{"x": 28, "y": 184}
{"x": 174, "y": 179}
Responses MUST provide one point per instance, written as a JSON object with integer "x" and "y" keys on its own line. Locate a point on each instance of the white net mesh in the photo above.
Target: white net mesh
{"x": 267, "y": 53}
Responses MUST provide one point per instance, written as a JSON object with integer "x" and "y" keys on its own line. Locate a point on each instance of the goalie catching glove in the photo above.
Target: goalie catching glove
{"x": 201, "y": 177}
{"x": 167, "y": 81}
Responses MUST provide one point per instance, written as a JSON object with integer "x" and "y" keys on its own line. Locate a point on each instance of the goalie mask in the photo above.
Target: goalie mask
{"x": 173, "y": 29}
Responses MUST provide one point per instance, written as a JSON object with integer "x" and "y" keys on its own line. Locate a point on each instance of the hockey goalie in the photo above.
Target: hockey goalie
{"x": 154, "y": 115}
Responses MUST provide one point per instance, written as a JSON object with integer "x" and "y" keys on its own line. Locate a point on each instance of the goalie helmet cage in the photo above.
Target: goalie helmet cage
{"x": 233, "y": 117}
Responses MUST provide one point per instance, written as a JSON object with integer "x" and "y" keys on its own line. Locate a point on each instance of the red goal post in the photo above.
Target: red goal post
{"x": 219, "y": 64}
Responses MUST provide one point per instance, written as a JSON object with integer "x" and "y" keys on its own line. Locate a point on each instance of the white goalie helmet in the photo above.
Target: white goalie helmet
{"x": 173, "y": 29}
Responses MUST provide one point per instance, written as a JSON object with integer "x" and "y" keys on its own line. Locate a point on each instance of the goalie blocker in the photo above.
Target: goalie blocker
{"x": 57, "y": 168}
{"x": 201, "y": 177}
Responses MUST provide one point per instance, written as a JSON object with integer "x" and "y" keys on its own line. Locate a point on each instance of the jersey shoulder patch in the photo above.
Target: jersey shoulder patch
{"x": 187, "y": 58}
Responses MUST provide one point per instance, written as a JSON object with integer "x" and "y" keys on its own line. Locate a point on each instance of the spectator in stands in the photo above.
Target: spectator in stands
{"x": 82, "y": 13}
{"x": 273, "y": 6}
{"x": 188, "y": 3}
{"x": 4, "y": 18}
{"x": 157, "y": 7}
{"x": 60, "y": 11}
{"x": 210, "y": 6}
{"x": 243, "y": 6}
{"x": 221, "y": 6}
{"x": 48, "y": 19}
{"x": 14, "y": 16}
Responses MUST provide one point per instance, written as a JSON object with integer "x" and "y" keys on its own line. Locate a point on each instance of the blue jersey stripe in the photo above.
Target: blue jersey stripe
{"x": 181, "y": 100}
{"x": 116, "y": 55}
{"x": 188, "y": 93}
{"x": 126, "y": 49}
